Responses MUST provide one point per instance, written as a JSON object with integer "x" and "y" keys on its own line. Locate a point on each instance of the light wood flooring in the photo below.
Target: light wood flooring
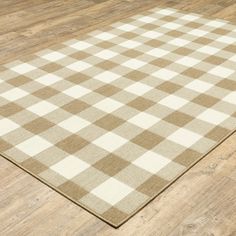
{"x": 201, "y": 203}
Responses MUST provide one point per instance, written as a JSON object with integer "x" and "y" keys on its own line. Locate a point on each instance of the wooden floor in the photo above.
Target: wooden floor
{"x": 27, "y": 26}
{"x": 202, "y": 202}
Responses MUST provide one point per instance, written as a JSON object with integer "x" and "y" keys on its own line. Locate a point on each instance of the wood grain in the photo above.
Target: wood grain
{"x": 27, "y": 26}
{"x": 202, "y": 202}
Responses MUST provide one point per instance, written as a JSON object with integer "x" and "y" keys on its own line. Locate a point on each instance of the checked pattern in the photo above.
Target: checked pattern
{"x": 112, "y": 118}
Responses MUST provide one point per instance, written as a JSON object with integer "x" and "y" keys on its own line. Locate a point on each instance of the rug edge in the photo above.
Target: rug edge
{"x": 178, "y": 176}
{"x": 8, "y": 158}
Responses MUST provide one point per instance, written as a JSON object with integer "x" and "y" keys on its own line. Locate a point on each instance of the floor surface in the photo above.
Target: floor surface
{"x": 202, "y": 202}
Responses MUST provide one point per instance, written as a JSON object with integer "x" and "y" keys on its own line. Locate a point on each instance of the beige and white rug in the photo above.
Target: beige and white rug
{"x": 112, "y": 118}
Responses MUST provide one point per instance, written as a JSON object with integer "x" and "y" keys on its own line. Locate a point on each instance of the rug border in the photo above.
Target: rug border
{"x": 8, "y": 158}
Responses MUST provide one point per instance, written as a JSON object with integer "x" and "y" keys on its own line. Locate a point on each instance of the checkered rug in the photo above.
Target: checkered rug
{"x": 111, "y": 119}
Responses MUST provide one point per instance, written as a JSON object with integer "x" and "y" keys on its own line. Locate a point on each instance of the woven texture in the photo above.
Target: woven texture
{"x": 111, "y": 119}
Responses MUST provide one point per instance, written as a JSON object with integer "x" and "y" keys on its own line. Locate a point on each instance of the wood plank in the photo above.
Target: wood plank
{"x": 42, "y": 25}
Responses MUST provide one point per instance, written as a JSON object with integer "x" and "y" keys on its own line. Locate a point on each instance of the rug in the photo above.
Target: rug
{"x": 112, "y": 118}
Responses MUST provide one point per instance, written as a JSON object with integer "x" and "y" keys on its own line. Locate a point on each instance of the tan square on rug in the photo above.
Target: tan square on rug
{"x": 111, "y": 119}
